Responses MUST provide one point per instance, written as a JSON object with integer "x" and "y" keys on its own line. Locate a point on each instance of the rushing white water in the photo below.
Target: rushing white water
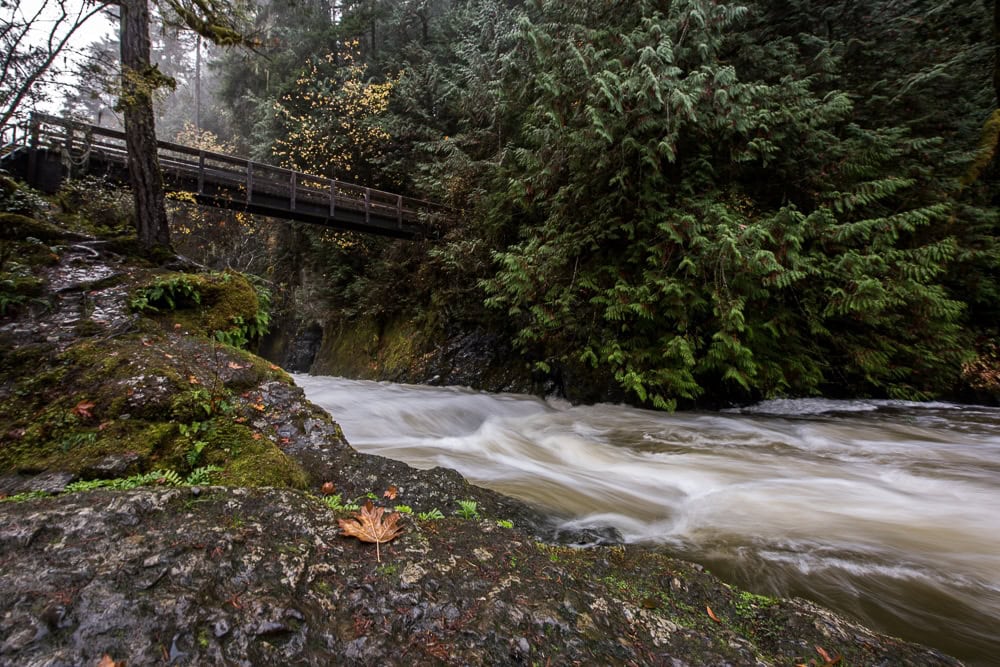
{"x": 887, "y": 511}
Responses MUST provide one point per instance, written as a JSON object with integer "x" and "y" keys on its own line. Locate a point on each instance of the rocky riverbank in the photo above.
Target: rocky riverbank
{"x": 227, "y": 549}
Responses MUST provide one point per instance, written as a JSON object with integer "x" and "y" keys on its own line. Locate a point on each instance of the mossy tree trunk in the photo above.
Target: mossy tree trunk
{"x": 139, "y": 81}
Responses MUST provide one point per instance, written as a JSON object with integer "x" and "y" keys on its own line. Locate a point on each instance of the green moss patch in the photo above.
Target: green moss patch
{"x": 224, "y": 306}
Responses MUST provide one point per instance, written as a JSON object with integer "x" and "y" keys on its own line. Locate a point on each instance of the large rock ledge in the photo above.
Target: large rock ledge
{"x": 221, "y": 575}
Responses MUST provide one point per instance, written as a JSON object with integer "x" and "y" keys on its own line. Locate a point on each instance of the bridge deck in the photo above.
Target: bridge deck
{"x": 214, "y": 179}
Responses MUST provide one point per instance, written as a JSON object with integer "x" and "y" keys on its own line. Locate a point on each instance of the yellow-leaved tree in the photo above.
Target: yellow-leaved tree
{"x": 333, "y": 119}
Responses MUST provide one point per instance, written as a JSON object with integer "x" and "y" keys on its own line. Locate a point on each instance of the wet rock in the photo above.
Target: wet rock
{"x": 114, "y": 465}
{"x": 88, "y": 551}
{"x": 46, "y": 482}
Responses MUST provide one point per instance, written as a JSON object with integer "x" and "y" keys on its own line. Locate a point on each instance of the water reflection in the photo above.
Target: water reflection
{"x": 887, "y": 511}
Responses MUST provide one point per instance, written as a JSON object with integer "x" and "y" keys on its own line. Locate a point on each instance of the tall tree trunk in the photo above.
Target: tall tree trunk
{"x": 996, "y": 50}
{"x": 139, "y": 81}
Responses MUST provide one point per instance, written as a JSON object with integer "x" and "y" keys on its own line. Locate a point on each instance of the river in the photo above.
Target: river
{"x": 885, "y": 511}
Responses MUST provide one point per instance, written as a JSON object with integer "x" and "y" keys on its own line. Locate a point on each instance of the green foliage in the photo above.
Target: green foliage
{"x": 154, "y": 477}
{"x": 432, "y": 515}
{"x": 690, "y": 201}
{"x": 26, "y": 496}
{"x": 467, "y": 509}
{"x": 170, "y": 293}
{"x": 201, "y": 476}
{"x": 22, "y": 200}
{"x": 192, "y": 432}
{"x": 403, "y": 509}
{"x": 336, "y": 503}
{"x": 656, "y": 246}
{"x": 198, "y": 477}
{"x": 505, "y": 523}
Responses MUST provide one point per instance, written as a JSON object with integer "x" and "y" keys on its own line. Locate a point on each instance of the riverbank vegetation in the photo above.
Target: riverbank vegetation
{"x": 693, "y": 200}
{"x": 670, "y": 203}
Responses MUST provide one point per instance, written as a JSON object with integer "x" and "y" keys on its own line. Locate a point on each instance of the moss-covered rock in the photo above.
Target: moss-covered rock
{"x": 16, "y": 227}
{"x": 211, "y": 304}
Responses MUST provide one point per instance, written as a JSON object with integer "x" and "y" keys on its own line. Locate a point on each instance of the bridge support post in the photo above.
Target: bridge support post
{"x": 249, "y": 182}
{"x": 292, "y": 187}
{"x": 399, "y": 211}
{"x": 333, "y": 197}
{"x": 368, "y": 205}
{"x": 201, "y": 172}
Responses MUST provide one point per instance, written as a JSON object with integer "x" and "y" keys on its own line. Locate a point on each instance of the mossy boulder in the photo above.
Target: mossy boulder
{"x": 16, "y": 227}
{"x": 202, "y": 304}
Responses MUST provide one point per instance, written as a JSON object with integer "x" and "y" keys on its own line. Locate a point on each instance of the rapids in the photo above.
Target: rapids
{"x": 882, "y": 510}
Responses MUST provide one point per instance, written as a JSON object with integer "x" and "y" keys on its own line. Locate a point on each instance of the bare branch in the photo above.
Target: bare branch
{"x": 55, "y": 43}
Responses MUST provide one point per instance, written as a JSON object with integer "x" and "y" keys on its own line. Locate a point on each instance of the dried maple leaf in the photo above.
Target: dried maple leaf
{"x": 391, "y": 493}
{"x": 193, "y": 380}
{"x": 711, "y": 614}
{"x": 236, "y": 367}
{"x": 83, "y": 409}
{"x": 829, "y": 662}
{"x": 368, "y": 525}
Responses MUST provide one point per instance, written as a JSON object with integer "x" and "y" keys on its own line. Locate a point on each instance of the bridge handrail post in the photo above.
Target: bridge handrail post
{"x": 249, "y": 181}
{"x": 399, "y": 211}
{"x": 368, "y": 205}
{"x": 35, "y": 129}
{"x": 293, "y": 186}
{"x": 333, "y": 197}
{"x": 201, "y": 171}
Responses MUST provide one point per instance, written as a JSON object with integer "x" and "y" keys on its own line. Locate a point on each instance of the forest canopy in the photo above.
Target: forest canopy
{"x": 690, "y": 200}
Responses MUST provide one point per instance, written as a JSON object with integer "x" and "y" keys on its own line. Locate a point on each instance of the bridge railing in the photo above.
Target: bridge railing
{"x": 218, "y": 174}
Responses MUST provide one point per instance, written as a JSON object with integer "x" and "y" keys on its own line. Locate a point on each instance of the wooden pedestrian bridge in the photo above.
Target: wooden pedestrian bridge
{"x": 49, "y": 149}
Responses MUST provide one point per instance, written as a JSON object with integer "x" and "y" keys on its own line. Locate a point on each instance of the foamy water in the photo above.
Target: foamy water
{"x": 886, "y": 511}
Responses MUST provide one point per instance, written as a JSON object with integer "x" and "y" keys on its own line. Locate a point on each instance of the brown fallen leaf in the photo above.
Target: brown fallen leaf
{"x": 83, "y": 409}
{"x": 711, "y": 614}
{"x": 193, "y": 380}
{"x": 368, "y": 525}
{"x": 256, "y": 436}
{"x": 168, "y": 356}
{"x": 829, "y": 662}
{"x": 328, "y": 489}
{"x": 274, "y": 368}
{"x": 236, "y": 366}
{"x": 108, "y": 661}
{"x": 391, "y": 492}
{"x": 259, "y": 407}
